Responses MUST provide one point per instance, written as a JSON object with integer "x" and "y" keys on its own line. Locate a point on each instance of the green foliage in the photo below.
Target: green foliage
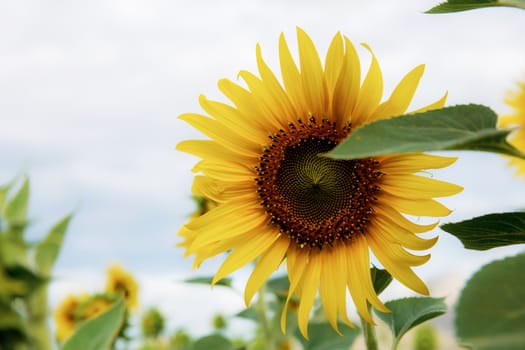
{"x": 225, "y": 282}
{"x": 219, "y": 322}
{"x": 489, "y": 231}
{"x": 407, "y": 313}
{"x": 24, "y": 271}
{"x": 490, "y": 311}
{"x": 463, "y": 127}
{"x": 425, "y": 338}
{"x": 214, "y": 341}
{"x": 181, "y": 340}
{"x": 465, "y": 5}
{"x": 99, "y": 333}
{"x": 152, "y": 323}
{"x": 324, "y": 337}
{"x": 380, "y": 278}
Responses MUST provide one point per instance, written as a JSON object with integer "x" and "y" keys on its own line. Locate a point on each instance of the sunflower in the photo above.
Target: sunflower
{"x": 516, "y": 100}
{"x": 65, "y": 317}
{"x": 280, "y": 202}
{"x": 122, "y": 283}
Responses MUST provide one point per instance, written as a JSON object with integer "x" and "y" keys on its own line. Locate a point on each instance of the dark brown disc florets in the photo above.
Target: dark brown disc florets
{"x": 315, "y": 200}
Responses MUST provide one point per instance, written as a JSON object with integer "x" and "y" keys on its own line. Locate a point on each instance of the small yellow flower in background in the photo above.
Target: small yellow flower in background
{"x": 279, "y": 202}
{"x": 65, "y": 317}
{"x": 121, "y": 282}
{"x": 516, "y": 100}
{"x": 94, "y": 306}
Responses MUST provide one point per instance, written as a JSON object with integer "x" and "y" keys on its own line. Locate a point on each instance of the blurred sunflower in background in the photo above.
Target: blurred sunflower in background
{"x": 65, "y": 317}
{"x": 279, "y": 201}
{"x": 121, "y": 282}
{"x": 516, "y": 100}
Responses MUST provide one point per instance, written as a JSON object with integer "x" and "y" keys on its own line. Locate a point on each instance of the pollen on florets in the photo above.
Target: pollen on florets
{"x": 316, "y": 201}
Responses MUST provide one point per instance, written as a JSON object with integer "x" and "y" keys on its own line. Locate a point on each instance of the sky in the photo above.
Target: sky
{"x": 90, "y": 93}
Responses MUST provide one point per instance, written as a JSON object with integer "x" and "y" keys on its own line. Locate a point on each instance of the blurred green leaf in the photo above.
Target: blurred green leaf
{"x": 10, "y": 319}
{"x": 407, "y": 313}
{"x": 278, "y": 285}
{"x": 490, "y": 312}
{"x": 47, "y": 250}
{"x": 226, "y": 282}
{"x": 13, "y": 250}
{"x": 214, "y": 341}
{"x": 19, "y": 281}
{"x": 15, "y": 210}
{"x": 464, "y": 5}
{"x": 489, "y": 231}
{"x": 324, "y": 337}
{"x": 100, "y": 332}
{"x": 380, "y": 278}
{"x": 249, "y": 314}
{"x": 463, "y": 127}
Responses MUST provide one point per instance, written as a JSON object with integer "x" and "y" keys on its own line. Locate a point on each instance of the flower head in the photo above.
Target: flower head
{"x": 279, "y": 202}
{"x": 121, "y": 282}
{"x": 65, "y": 317}
{"x": 516, "y": 100}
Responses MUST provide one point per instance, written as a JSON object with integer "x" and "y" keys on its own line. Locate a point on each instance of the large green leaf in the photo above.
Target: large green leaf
{"x": 100, "y": 332}
{"x": 489, "y": 231}
{"x": 324, "y": 337}
{"x": 226, "y": 282}
{"x": 463, "y": 127}
{"x": 490, "y": 313}
{"x": 464, "y": 5}
{"x": 47, "y": 250}
{"x": 214, "y": 341}
{"x": 407, "y": 313}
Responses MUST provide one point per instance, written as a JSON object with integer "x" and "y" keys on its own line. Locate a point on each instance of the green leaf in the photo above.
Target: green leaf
{"x": 463, "y": 127}
{"x": 489, "y": 231}
{"x": 214, "y": 341}
{"x": 15, "y": 211}
{"x": 18, "y": 280}
{"x": 278, "y": 285}
{"x": 407, "y": 313}
{"x": 464, "y": 5}
{"x": 47, "y": 250}
{"x": 324, "y": 337}
{"x": 226, "y": 282}
{"x": 490, "y": 312}
{"x": 249, "y": 314}
{"x": 100, "y": 332}
{"x": 380, "y": 278}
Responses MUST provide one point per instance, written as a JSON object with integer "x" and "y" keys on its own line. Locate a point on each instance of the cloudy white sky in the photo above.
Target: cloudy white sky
{"x": 90, "y": 93}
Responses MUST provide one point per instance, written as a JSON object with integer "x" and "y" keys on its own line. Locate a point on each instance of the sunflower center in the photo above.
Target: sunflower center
{"x": 315, "y": 200}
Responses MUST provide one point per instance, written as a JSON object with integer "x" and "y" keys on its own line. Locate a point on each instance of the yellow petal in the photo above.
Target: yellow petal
{"x": 418, "y": 207}
{"x": 394, "y": 216}
{"x": 274, "y": 87}
{"x": 246, "y": 252}
{"x": 414, "y": 162}
{"x": 397, "y": 234}
{"x": 208, "y": 149}
{"x": 312, "y": 75}
{"x": 310, "y": 285}
{"x": 334, "y": 60}
{"x": 292, "y": 79}
{"x": 218, "y": 132}
{"x": 417, "y": 187}
{"x": 296, "y": 261}
{"x": 401, "y": 97}
{"x": 347, "y": 86}
{"x": 398, "y": 270}
{"x": 330, "y": 276}
{"x": 268, "y": 263}
{"x": 370, "y": 93}
{"x": 225, "y": 171}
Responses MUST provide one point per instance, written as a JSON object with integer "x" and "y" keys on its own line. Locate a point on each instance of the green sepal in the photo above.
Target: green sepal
{"x": 46, "y": 251}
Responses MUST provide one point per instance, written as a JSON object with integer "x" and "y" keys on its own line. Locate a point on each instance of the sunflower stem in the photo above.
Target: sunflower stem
{"x": 262, "y": 311}
{"x": 369, "y": 332}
